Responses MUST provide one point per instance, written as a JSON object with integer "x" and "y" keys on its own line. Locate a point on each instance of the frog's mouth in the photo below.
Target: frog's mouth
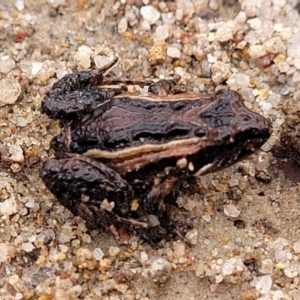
{"x": 221, "y": 156}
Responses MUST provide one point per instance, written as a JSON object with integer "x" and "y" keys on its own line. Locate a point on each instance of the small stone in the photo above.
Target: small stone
{"x": 157, "y": 54}
{"x": 10, "y": 91}
{"x": 296, "y": 247}
{"x": 230, "y": 210}
{"x": 256, "y": 51}
{"x": 206, "y": 218}
{"x": 238, "y": 80}
{"x": 168, "y": 18}
{"x": 264, "y": 284}
{"x": 225, "y": 31}
{"x": 254, "y": 23}
{"x": 290, "y": 272}
{"x": 19, "y": 4}
{"x": 179, "y": 250}
{"x": 173, "y": 52}
{"x": 267, "y": 266}
{"x": 16, "y": 153}
{"x": 98, "y": 253}
{"x": 189, "y": 204}
{"x": 83, "y": 56}
{"x": 122, "y": 26}
{"x": 55, "y": 3}
{"x": 158, "y": 269}
{"x": 150, "y": 14}
{"x": 220, "y": 72}
{"x": 113, "y": 251}
{"x": 31, "y": 68}
{"x": 6, "y": 64}
{"x": 192, "y": 236}
{"x": 28, "y": 247}
{"x": 263, "y": 162}
{"x": 162, "y": 32}
{"x": 275, "y": 45}
{"x": 21, "y": 122}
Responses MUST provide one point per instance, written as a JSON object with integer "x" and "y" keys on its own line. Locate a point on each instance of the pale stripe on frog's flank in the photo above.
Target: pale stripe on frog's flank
{"x": 170, "y": 98}
{"x": 143, "y": 149}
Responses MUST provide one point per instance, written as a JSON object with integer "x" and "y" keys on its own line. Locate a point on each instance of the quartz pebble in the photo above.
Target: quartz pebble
{"x": 21, "y": 122}
{"x": 122, "y": 26}
{"x": 6, "y": 64}
{"x": 113, "y": 251}
{"x": 83, "y": 56}
{"x": 230, "y": 210}
{"x": 150, "y": 14}
{"x": 98, "y": 253}
{"x": 264, "y": 284}
{"x": 31, "y": 68}
{"x": 10, "y": 91}
{"x": 173, "y": 52}
{"x": 19, "y": 4}
{"x": 16, "y": 153}
{"x": 162, "y": 32}
{"x": 238, "y": 80}
{"x": 296, "y": 247}
{"x": 158, "y": 269}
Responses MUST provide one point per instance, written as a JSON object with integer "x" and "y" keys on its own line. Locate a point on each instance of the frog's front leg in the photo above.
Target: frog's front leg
{"x": 165, "y": 87}
{"x": 79, "y": 93}
{"x": 77, "y": 103}
{"x": 88, "y": 188}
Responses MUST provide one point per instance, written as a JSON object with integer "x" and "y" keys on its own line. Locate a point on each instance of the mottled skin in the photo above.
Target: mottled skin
{"x": 123, "y": 148}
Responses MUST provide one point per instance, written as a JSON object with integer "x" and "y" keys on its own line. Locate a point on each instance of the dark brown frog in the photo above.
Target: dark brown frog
{"x": 120, "y": 154}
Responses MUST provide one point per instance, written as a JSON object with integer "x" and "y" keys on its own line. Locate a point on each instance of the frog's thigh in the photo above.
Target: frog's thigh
{"x": 85, "y": 186}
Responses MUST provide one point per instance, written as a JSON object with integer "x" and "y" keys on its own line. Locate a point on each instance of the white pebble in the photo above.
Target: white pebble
{"x": 254, "y": 23}
{"x": 225, "y": 31}
{"x": 21, "y": 122}
{"x": 122, "y": 26}
{"x": 55, "y": 3}
{"x": 150, "y": 14}
{"x": 6, "y": 64}
{"x": 290, "y": 272}
{"x": 231, "y": 211}
{"x": 10, "y": 90}
{"x": 36, "y": 67}
{"x": 168, "y": 18}
{"x": 83, "y": 56}
{"x": 256, "y": 51}
{"x": 206, "y": 218}
{"x": 162, "y": 32}
{"x": 264, "y": 284}
{"x": 98, "y": 253}
{"x": 16, "y": 153}
{"x": 19, "y": 4}
{"x": 173, "y": 52}
{"x": 296, "y": 247}
{"x": 238, "y": 80}
{"x": 27, "y": 247}
{"x": 113, "y": 251}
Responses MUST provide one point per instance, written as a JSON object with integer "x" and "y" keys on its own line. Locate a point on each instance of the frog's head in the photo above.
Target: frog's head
{"x": 235, "y": 131}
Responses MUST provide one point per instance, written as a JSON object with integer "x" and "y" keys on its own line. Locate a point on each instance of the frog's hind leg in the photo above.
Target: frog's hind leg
{"x": 87, "y": 188}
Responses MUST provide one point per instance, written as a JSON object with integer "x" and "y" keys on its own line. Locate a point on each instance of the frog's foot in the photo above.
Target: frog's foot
{"x": 146, "y": 222}
{"x": 167, "y": 87}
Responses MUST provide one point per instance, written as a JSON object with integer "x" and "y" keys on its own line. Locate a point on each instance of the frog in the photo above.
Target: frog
{"x": 121, "y": 155}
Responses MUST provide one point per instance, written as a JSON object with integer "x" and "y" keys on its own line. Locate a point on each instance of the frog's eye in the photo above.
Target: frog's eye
{"x": 246, "y": 118}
